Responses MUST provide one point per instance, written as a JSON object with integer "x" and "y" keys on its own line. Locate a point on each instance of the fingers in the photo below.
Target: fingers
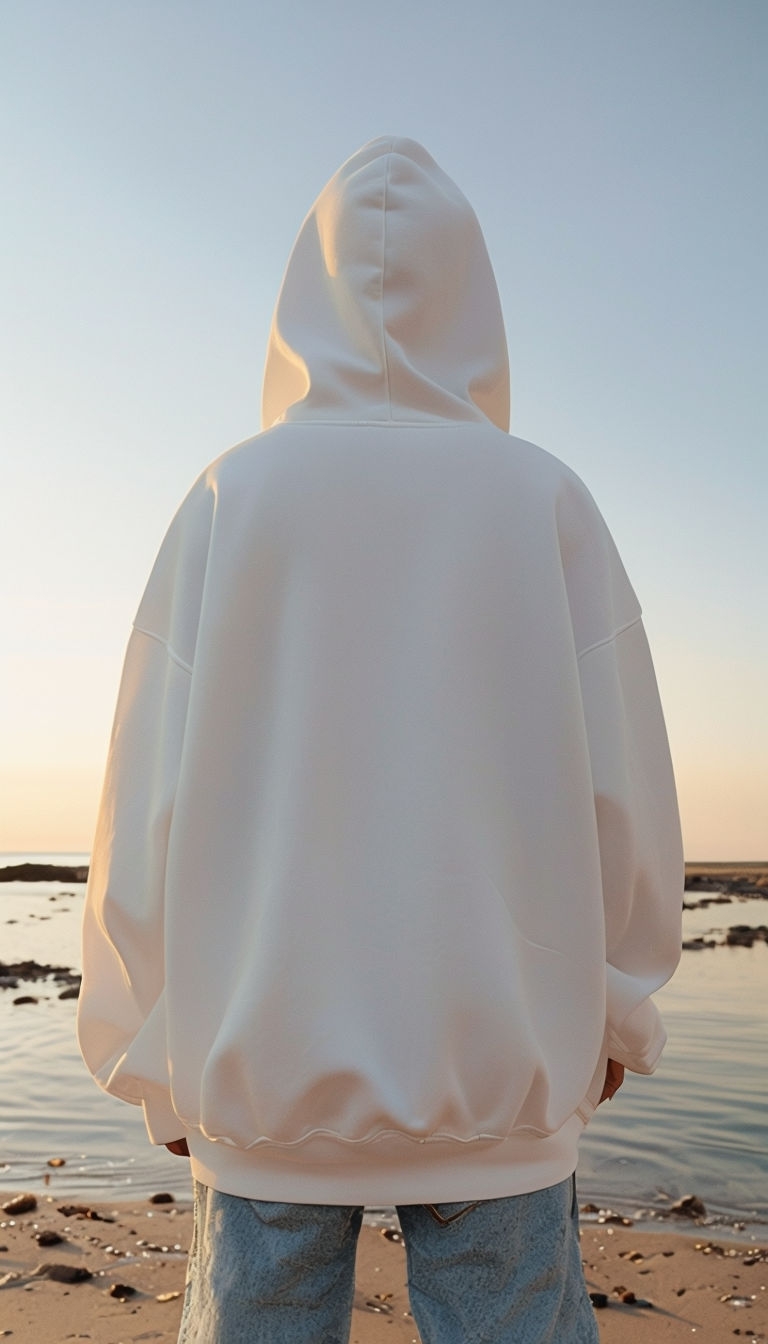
{"x": 614, "y": 1077}
{"x": 178, "y": 1147}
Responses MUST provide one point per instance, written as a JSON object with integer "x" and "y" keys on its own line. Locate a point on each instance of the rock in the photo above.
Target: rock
{"x": 628, "y": 1297}
{"x": 20, "y": 1204}
{"x": 162, "y": 1198}
{"x": 599, "y": 1300}
{"x": 121, "y": 1290}
{"x": 26, "y": 998}
{"x": 83, "y": 1211}
{"x": 57, "y": 1161}
{"x": 42, "y": 872}
{"x": 63, "y": 1273}
{"x": 49, "y": 1238}
{"x": 33, "y": 970}
{"x": 72, "y": 993}
{"x": 589, "y": 1208}
{"x": 740, "y": 935}
{"x": 690, "y": 1206}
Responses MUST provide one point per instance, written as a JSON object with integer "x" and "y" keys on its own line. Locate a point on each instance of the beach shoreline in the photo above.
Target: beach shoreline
{"x": 118, "y": 1273}
{"x": 751, "y": 874}
{"x": 704, "y": 1274}
{"x": 658, "y": 1141}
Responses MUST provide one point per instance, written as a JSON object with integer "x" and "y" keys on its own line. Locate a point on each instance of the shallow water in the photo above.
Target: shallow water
{"x": 698, "y": 1125}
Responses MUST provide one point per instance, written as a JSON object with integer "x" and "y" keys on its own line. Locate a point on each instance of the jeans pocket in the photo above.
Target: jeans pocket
{"x": 449, "y": 1213}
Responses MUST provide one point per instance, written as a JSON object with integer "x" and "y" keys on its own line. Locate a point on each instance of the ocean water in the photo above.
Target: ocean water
{"x": 698, "y": 1125}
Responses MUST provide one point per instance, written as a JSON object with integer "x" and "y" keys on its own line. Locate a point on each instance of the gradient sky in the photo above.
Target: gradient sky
{"x": 159, "y": 158}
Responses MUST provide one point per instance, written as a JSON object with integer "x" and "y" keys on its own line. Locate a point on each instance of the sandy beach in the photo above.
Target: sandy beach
{"x": 117, "y": 1275}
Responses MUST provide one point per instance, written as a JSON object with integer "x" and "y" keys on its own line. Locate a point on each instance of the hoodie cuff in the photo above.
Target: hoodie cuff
{"x": 162, "y": 1122}
{"x": 639, "y": 1041}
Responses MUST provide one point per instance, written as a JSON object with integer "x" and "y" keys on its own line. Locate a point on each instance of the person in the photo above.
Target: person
{"x": 387, "y": 864}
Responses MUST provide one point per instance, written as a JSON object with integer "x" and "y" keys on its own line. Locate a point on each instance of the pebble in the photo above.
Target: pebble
{"x": 162, "y": 1198}
{"x": 20, "y": 1204}
{"x": 599, "y": 1300}
{"x": 49, "y": 1238}
{"x": 63, "y": 1273}
{"x": 121, "y": 1290}
{"x": 83, "y": 1211}
{"x": 57, "y": 1161}
{"x": 690, "y": 1206}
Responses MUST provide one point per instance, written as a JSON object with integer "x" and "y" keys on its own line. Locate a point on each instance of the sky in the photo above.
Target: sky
{"x": 159, "y": 157}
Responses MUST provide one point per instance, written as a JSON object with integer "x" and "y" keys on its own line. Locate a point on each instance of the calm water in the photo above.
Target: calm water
{"x": 698, "y": 1125}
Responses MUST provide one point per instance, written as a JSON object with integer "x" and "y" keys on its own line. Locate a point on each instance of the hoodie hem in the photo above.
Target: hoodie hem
{"x": 399, "y": 1172}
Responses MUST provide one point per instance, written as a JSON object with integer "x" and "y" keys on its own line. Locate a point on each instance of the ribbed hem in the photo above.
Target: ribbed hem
{"x": 394, "y": 1170}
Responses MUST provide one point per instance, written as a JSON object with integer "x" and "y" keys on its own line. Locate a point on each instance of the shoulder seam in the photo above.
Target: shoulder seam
{"x": 174, "y": 657}
{"x": 600, "y": 643}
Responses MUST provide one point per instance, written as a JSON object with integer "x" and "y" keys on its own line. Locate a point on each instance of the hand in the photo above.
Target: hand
{"x": 179, "y": 1147}
{"x": 614, "y": 1077}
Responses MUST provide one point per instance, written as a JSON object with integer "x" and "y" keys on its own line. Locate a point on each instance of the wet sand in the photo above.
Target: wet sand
{"x": 117, "y": 1276}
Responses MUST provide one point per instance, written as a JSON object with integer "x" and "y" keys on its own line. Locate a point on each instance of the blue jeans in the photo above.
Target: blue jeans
{"x": 500, "y": 1271}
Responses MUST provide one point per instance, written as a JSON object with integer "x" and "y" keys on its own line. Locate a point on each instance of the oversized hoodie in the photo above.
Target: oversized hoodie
{"x": 388, "y": 859}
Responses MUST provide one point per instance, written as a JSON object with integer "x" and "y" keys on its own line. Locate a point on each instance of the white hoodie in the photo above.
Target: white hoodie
{"x": 388, "y": 859}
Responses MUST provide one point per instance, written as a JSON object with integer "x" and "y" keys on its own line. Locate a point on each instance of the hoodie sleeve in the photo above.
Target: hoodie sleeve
{"x": 120, "y": 1024}
{"x": 639, "y": 839}
{"x": 636, "y": 810}
{"x": 121, "y": 1011}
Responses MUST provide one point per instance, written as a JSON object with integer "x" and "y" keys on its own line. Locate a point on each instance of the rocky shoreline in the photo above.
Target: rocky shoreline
{"x": 719, "y": 882}
{"x": 711, "y": 884}
{"x": 43, "y": 872}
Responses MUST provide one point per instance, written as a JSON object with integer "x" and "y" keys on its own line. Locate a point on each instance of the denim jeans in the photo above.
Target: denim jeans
{"x": 499, "y": 1271}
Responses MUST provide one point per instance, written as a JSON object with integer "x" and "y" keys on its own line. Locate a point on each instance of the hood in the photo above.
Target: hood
{"x": 389, "y": 309}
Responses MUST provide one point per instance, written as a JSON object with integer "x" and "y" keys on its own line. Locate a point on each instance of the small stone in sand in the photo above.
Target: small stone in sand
{"x": 63, "y": 1273}
{"x": 83, "y": 1211}
{"x": 162, "y": 1198}
{"x": 599, "y": 1300}
{"x": 20, "y": 1204}
{"x": 121, "y": 1290}
{"x": 57, "y": 1162}
{"x": 26, "y": 998}
{"x": 690, "y": 1206}
{"x": 49, "y": 1238}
